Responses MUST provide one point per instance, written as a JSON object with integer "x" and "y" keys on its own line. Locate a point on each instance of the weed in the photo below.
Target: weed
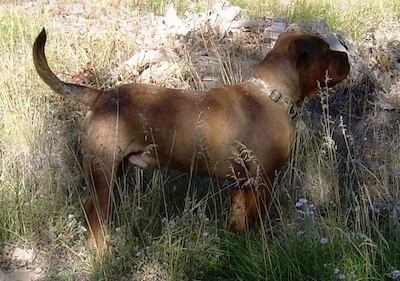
{"x": 334, "y": 214}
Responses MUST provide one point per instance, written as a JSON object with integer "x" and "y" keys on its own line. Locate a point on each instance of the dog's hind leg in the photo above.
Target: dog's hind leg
{"x": 101, "y": 176}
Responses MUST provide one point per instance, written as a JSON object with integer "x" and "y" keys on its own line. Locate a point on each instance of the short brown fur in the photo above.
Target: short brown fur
{"x": 161, "y": 127}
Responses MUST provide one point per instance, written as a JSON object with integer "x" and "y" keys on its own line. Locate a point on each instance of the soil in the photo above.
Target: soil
{"x": 369, "y": 100}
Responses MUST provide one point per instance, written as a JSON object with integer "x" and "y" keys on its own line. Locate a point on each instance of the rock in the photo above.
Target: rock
{"x": 23, "y": 255}
{"x": 144, "y": 58}
{"x": 337, "y": 42}
{"x": 248, "y": 23}
{"x": 171, "y": 18}
{"x": 20, "y": 275}
{"x": 222, "y": 16}
{"x": 165, "y": 73}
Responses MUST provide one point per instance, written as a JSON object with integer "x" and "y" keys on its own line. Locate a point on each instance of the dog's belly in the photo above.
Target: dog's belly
{"x": 224, "y": 161}
{"x": 185, "y": 159}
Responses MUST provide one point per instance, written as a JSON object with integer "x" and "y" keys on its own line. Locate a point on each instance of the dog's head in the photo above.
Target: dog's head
{"x": 312, "y": 60}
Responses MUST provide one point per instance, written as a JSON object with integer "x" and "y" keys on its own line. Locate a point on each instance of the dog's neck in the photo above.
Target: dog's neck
{"x": 283, "y": 100}
{"x": 280, "y": 74}
{"x": 279, "y": 97}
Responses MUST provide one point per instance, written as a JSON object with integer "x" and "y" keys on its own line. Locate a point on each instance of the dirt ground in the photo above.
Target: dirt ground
{"x": 369, "y": 104}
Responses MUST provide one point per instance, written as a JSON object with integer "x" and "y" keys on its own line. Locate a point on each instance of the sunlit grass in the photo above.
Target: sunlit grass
{"x": 355, "y": 17}
{"x": 174, "y": 227}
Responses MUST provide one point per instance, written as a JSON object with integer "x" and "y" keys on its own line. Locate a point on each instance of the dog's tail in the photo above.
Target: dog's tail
{"x": 79, "y": 93}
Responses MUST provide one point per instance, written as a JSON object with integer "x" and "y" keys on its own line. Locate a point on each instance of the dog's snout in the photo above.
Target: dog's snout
{"x": 339, "y": 67}
{"x": 344, "y": 68}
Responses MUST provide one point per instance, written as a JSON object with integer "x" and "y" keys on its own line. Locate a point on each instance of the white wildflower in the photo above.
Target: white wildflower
{"x": 395, "y": 274}
{"x": 82, "y": 229}
{"x": 301, "y": 202}
{"x": 376, "y": 209}
{"x": 338, "y": 274}
{"x": 168, "y": 223}
{"x": 71, "y": 221}
{"x": 324, "y": 240}
{"x": 300, "y": 233}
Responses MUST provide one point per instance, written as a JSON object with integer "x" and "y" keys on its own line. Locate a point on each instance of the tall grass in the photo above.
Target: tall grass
{"x": 331, "y": 219}
{"x": 355, "y": 17}
{"x": 39, "y": 171}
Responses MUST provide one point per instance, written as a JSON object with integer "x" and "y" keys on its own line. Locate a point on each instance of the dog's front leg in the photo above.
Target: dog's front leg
{"x": 248, "y": 205}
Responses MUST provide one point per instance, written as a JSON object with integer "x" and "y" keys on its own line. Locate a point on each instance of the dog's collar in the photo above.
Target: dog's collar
{"x": 284, "y": 101}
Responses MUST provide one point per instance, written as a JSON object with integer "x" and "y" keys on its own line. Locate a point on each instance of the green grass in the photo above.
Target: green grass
{"x": 355, "y": 17}
{"x": 170, "y": 226}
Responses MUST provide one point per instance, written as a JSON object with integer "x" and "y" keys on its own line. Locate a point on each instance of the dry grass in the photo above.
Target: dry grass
{"x": 170, "y": 226}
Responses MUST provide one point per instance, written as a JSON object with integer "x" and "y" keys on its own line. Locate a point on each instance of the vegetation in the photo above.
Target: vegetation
{"x": 334, "y": 213}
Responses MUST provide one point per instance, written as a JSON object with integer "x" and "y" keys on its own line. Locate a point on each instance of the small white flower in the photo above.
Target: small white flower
{"x": 301, "y": 212}
{"x": 324, "y": 240}
{"x": 300, "y": 233}
{"x": 301, "y": 202}
{"x": 336, "y": 270}
{"x": 205, "y": 234}
{"x": 395, "y": 274}
{"x": 71, "y": 220}
{"x": 204, "y": 217}
{"x": 376, "y": 209}
{"x": 339, "y": 275}
{"x": 168, "y": 223}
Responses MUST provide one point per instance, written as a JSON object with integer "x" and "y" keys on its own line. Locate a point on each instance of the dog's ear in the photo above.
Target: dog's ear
{"x": 303, "y": 50}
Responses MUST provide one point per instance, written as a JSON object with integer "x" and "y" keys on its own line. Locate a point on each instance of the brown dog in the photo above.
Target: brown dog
{"x": 243, "y": 131}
